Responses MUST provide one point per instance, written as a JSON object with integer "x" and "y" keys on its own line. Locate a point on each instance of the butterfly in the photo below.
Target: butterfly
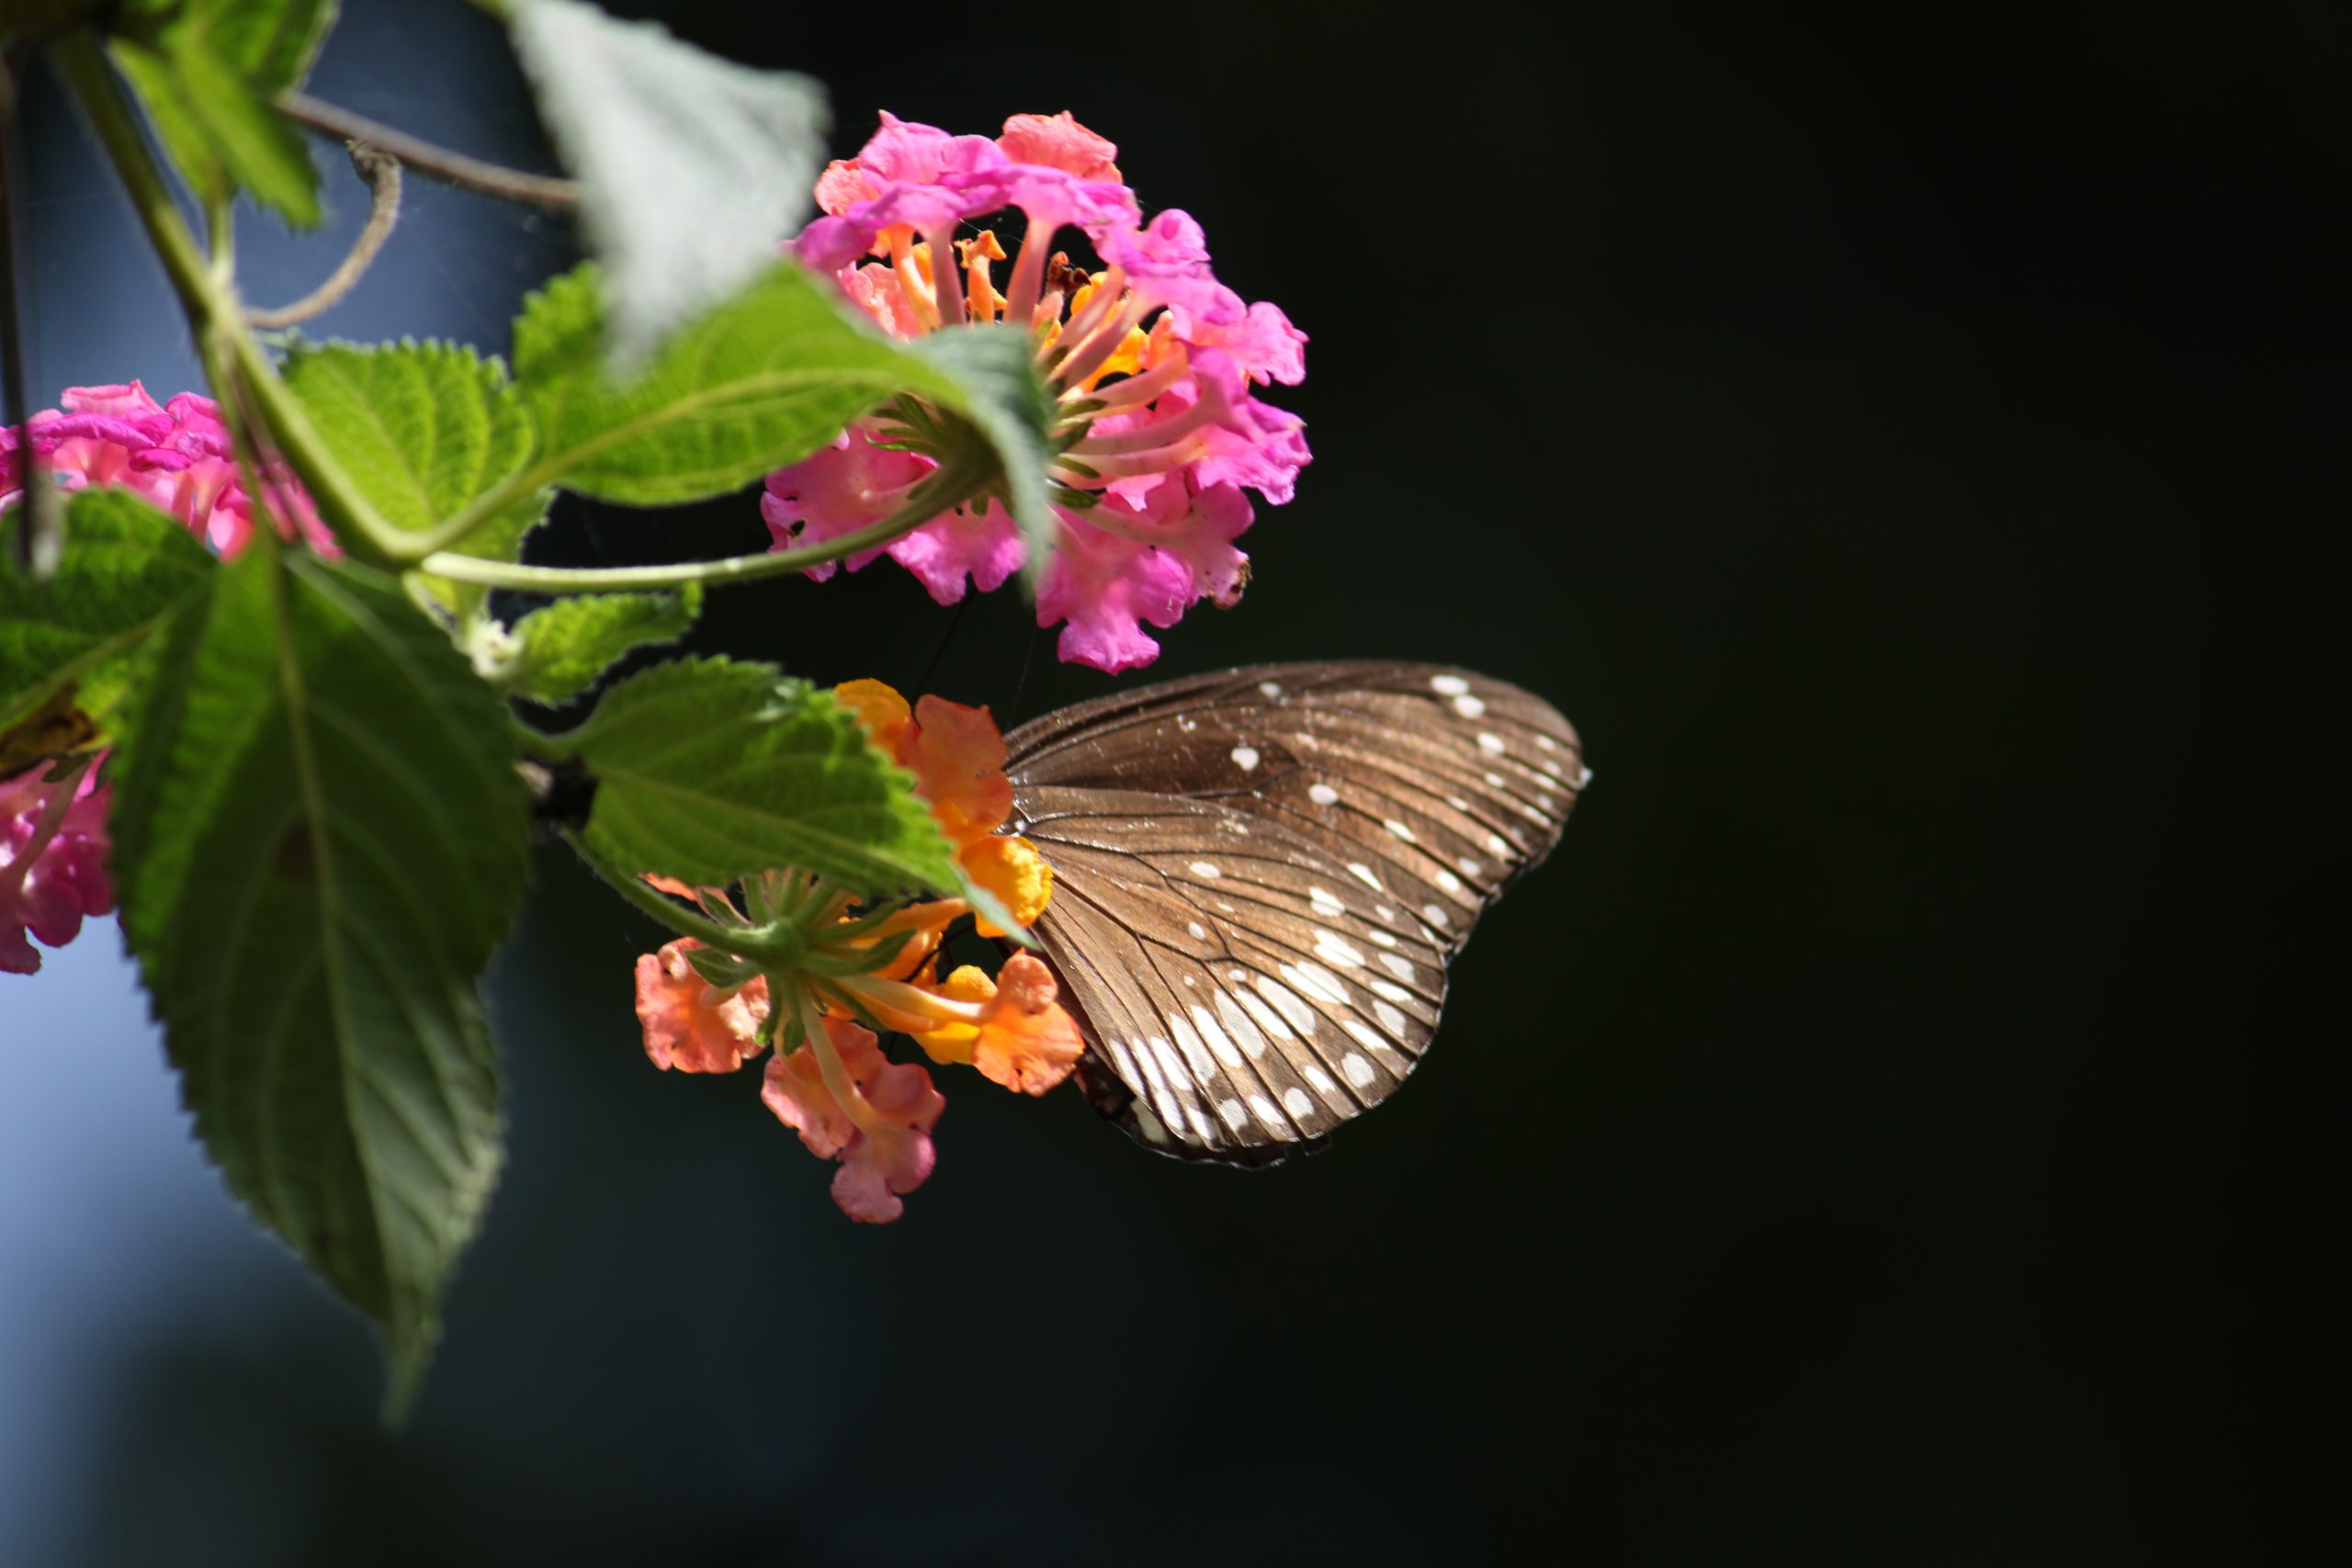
{"x": 1260, "y": 875}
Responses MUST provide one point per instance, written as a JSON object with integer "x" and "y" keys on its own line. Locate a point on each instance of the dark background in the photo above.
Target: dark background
{"x": 1889, "y": 1131}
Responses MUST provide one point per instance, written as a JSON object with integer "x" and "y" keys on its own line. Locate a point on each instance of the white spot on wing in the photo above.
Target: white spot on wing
{"x": 1153, "y": 1131}
{"x": 1469, "y": 707}
{"x": 1316, "y": 982}
{"x": 1449, "y": 882}
{"x": 1214, "y": 1032}
{"x": 1263, "y": 1109}
{"x": 1435, "y": 914}
{"x": 1332, "y": 948}
{"x": 1296, "y": 1103}
{"x": 1203, "y": 868}
{"x": 1197, "y": 1055}
{"x": 1469, "y": 867}
{"x": 1364, "y": 872}
{"x": 1391, "y": 1018}
{"x": 1233, "y": 1113}
{"x": 1324, "y": 904}
{"x": 1200, "y": 1121}
{"x": 1397, "y": 964}
{"x": 1394, "y": 993}
{"x": 1495, "y": 846}
{"x": 1492, "y": 745}
{"x": 1270, "y": 688}
{"x": 1239, "y": 1022}
{"x": 1360, "y": 1072}
{"x": 1400, "y": 831}
{"x": 1448, "y": 685}
{"x": 1319, "y": 1078}
{"x": 1267, "y": 1018}
{"x": 1323, "y": 795}
{"x": 1245, "y": 758}
{"x": 1169, "y": 1061}
{"x": 1365, "y": 1037}
{"x": 1297, "y": 1013}
{"x": 1381, "y": 937}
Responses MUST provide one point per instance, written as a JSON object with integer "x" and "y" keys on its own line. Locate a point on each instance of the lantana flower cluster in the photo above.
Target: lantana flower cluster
{"x": 1153, "y": 363}
{"x": 176, "y": 455}
{"x": 817, "y": 976}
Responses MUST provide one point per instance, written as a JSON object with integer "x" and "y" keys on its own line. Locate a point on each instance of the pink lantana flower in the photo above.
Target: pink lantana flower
{"x": 850, "y": 1102}
{"x": 175, "y": 455}
{"x": 1154, "y": 362}
{"x": 52, "y": 861}
{"x": 691, "y": 1025}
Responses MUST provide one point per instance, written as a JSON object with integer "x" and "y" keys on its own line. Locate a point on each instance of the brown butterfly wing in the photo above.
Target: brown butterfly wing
{"x": 1259, "y": 875}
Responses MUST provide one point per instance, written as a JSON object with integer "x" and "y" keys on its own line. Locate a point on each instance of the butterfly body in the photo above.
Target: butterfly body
{"x": 1261, "y": 874}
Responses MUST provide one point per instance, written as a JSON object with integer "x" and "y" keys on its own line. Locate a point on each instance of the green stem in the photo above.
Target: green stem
{"x": 686, "y": 923}
{"x": 941, "y": 491}
{"x": 215, "y": 315}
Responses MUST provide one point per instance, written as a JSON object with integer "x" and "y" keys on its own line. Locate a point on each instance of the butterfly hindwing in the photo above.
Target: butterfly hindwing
{"x": 1260, "y": 874}
{"x": 1245, "y": 994}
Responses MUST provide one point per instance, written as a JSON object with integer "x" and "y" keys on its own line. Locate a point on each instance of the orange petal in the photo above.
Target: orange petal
{"x": 1010, "y": 868}
{"x": 688, "y": 1024}
{"x": 1027, "y": 1041}
{"x": 880, "y": 709}
{"x": 959, "y": 758}
{"x": 953, "y": 1042}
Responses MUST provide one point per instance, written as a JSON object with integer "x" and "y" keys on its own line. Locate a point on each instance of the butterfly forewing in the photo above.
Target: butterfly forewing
{"x": 1259, "y": 875}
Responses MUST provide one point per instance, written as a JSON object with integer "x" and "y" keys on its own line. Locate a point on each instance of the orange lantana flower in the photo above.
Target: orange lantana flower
{"x": 806, "y": 966}
{"x": 1021, "y": 1039}
{"x": 958, "y": 757}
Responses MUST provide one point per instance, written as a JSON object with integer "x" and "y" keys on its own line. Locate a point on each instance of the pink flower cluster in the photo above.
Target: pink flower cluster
{"x": 174, "y": 455}
{"x": 847, "y": 1101}
{"x": 52, "y": 861}
{"x": 1153, "y": 362}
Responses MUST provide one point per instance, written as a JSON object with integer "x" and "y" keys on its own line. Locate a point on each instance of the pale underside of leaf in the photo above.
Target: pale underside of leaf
{"x": 692, "y": 168}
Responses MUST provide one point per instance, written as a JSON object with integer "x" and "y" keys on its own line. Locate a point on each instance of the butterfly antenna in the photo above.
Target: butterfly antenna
{"x": 955, "y": 622}
{"x": 1028, "y": 657}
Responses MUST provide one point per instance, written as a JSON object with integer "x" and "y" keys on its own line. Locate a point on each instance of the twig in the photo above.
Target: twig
{"x": 382, "y": 172}
{"x": 433, "y": 162}
{"x": 38, "y": 535}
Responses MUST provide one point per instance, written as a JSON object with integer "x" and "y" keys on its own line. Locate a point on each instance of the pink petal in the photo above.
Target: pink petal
{"x": 1058, "y": 141}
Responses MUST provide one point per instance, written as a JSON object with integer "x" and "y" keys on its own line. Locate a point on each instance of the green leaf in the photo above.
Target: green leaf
{"x": 1007, "y": 400}
{"x": 555, "y": 653}
{"x": 319, "y": 836}
{"x": 767, "y": 377}
{"x": 270, "y": 42}
{"x": 125, "y": 567}
{"x": 707, "y": 769}
{"x": 423, "y": 428}
{"x": 690, "y": 166}
{"x": 213, "y": 117}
